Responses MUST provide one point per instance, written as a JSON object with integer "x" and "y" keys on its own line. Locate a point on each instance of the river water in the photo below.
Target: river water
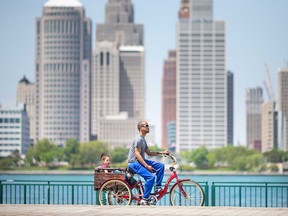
{"x": 209, "y": 178}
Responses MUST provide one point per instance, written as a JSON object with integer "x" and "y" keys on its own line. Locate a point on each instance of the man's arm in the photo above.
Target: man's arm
{"x": 153, "y": 153}
{"x": 142, "y": 161}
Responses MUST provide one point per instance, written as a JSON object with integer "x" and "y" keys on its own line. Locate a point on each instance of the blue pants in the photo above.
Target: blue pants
{"x": 147, "y": 175}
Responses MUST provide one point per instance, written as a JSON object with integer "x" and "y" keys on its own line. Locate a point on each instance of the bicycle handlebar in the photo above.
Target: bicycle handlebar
{"x": 171, "y": 157}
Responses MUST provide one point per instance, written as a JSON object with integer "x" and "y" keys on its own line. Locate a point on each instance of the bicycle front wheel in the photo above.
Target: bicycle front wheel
{"x": 114, "y": 192}
{"x": 189, "y": 194}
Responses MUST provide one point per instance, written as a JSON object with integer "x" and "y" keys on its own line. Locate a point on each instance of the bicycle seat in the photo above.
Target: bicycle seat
{"x": 130, "y": 170}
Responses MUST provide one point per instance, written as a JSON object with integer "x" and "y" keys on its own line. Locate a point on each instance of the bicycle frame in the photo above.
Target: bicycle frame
{"x": 139, "y": 185}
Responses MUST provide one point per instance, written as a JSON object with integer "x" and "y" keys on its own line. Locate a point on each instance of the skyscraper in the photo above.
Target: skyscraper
{"x": 283, "y": 108}
{"x": 168, "y": 96}
{"x": 269, "y": 133}
{"x": 63, "y": 55}
{"x": 230, "y": 107}
{"x": 118, "y": 81}
{"x": 26, "y": 95}
{"x": 201, "y": 78}
{"x": 254, "y": 101}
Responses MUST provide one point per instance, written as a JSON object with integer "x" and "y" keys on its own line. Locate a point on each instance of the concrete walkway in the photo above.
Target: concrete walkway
{"x": 89, "y": 210}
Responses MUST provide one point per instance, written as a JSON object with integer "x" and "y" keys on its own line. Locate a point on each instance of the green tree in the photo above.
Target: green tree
{"x": 16, "y": 158}
{"x": 119, "y": 154}
{"x": 13, "y": 160}
{"x": 72, "y": 151}
{"x": 240, "y": 163}
{"x": 211, "y": 157}
{"x": 199, "y": 157}
{"x": 275, "y": 156}
{"x": 255, "y": 161}
{"x": 46, "y": 151}
{"x": 90, "y": 152}
{"x": 29, "y": 158}
{"x": 186, "y": 155}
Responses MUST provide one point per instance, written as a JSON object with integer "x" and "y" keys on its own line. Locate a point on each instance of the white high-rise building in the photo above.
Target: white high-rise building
{"x": 201, "y": 78}
{"x": 118, "y": 79}
{"x": 63, "y": 55}
{"x": 14, "y": 130}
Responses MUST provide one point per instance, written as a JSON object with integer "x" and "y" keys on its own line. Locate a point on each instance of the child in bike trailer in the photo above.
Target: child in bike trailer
{"x": 143, "y": 167}
{"x": 105, "y": 162}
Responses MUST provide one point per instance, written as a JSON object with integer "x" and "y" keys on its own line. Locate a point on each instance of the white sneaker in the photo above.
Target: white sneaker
{"x": 144, "y": 202}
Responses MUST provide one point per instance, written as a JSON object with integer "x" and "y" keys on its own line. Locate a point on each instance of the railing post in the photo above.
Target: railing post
{"x": 1, "y": 193}
{"x": 206, "y": 194}
{"x": 266, "y": 195}
{"x": 240, "y": 196}
{"x": 25, "y": 194}
{"x": 72, "y": 194}
{"x": 213, "y": 194}
{"x": 48, "y": 192}
{"x": 97, "y": 199}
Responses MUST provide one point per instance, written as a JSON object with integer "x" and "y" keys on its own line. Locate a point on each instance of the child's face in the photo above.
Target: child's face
{"x": 106, "y": 161}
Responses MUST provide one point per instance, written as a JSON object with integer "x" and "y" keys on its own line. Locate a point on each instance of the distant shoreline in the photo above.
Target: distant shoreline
{"x": 91, "y": 172}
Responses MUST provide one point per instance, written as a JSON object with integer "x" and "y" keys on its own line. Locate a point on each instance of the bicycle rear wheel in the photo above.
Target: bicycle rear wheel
{"x": 114, "y": 192}
{"x": 194, "y": 194}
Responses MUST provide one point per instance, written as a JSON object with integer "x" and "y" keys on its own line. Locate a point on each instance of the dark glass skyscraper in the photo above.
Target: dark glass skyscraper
{"x": 230, "y": 107}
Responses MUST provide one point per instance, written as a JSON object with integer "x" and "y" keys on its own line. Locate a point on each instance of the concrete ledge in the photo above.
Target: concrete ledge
{"x": 89, "y": 210}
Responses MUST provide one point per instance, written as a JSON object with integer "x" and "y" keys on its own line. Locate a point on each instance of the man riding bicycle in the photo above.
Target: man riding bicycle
{"x": 143, "y": 167}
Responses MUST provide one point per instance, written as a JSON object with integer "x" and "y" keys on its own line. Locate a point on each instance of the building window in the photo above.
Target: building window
{"x": 108, "y": 58}
{"x": 101, "y": 58}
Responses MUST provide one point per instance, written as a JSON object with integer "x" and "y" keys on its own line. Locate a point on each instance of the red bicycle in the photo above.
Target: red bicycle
{"x": 122, "y": 189}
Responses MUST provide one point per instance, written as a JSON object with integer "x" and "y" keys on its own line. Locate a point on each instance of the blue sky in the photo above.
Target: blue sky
{"x": 257, "y": 33}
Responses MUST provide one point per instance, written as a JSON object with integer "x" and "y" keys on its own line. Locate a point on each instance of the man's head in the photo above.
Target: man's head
{"x": 143, "y": 127}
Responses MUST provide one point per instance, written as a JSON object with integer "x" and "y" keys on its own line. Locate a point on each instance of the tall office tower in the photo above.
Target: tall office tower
{"x": 168, "y": 95}
{"x": 118, "y": 82}
{"x": 14, "y": 130}
{"x": 254, "y": 101}
{"x": 63, "y": 56}
{"x": 283, "y": 108}
{"x": 201, "y": 110}
{"x": 230, "y": 107}
{"x": 26, "y": 95}
{"x": 269, "y": 133}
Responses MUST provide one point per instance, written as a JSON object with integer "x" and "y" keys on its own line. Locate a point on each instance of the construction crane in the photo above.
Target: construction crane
{"x": 269, "y": 87}
{"x": 267, "y": 90}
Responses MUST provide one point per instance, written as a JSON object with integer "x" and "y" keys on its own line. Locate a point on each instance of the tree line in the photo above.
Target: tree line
{"x": 235, "y": 158}
{"x": 76, "y": 155}
{"x": 46, "y": 153}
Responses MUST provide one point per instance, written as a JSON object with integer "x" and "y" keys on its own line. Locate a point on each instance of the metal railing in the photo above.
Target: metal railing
{"x": 252, "y": 194}
{"x": 47, "y": 192}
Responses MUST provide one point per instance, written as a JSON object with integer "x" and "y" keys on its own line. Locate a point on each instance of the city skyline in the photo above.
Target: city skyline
{"x": 253, "y": 39}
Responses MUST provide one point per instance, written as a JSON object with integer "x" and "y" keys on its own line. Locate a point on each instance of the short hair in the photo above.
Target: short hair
{"x": 139, "y": 125}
